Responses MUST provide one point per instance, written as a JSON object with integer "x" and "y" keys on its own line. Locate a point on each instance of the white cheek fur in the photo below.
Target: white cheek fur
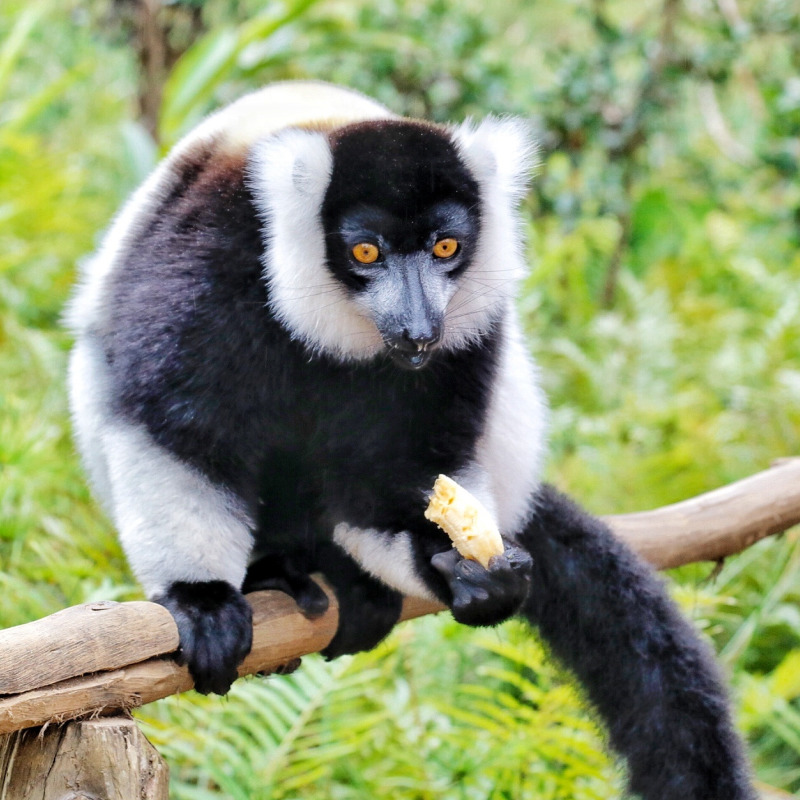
{"x": 499, "y": 153}
{"x": 289, "y": 174}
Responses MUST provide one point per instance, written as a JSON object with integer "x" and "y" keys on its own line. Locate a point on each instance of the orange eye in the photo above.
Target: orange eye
{"x": 445, "y": 248}
{"x": 365, "y": 253}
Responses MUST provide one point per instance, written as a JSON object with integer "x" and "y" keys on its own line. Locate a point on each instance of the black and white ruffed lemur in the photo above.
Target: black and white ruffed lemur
{"x": 300, "y": 319}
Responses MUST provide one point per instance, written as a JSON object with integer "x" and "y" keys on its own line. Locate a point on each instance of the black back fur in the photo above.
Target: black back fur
{"x": 197, "y": 357}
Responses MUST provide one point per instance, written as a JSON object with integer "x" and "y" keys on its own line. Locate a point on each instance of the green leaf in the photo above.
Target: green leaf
{"x": 211, "y": 60}
{"x": 14, "y": 45}
{"x": 192, "y": 82}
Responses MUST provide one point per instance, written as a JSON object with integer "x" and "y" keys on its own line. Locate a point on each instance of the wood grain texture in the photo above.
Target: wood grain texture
{"x": 83, "y": 639}
{"x": 709, "y": 527}
{"x": 108, "y": 759}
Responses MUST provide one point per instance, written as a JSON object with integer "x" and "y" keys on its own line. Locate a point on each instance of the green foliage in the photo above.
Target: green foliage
{"x": 398, "y": 720}
{"x": 53, "y": 550}
{"x": 465, "y": 72}
{"x": 663, "y": 306}
{"x": 212, "y": 60}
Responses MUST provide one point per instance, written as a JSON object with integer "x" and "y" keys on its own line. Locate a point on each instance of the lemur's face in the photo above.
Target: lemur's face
{"x": 400, "y": 230}
{"x": 403, "y": 271}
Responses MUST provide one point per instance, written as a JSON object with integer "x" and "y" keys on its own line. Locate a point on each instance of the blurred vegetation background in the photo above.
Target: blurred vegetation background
{"x": 663, "y": 306}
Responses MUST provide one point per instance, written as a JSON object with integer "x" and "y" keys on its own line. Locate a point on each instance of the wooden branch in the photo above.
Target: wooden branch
{"x": 82, "y": 639}
{"x": 281, "y": 635}
{"x": 716, "y": 524}
{"x": 50, "y": 669}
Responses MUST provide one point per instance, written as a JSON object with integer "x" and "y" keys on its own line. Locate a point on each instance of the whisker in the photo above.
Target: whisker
{"x": 316, "y": 310}
{"x": 310, "y": 295}
{"x": 471, "y": 296}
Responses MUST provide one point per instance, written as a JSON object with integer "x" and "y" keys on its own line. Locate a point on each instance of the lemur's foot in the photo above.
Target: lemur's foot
{"x": 274, "y": 572}
{"x": 368, "y": 609}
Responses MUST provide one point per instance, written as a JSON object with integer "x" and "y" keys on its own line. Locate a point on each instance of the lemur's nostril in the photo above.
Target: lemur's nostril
{"x": 424, "y": 339}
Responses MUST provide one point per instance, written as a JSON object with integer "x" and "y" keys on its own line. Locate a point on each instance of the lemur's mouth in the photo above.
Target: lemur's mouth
{"x": 414, "y": 350}
{"x": 409, "y": 360}
{"x": 411, "y": 355}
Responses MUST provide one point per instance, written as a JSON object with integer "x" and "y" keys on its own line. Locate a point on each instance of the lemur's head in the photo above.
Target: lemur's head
{"x": 392, "y": 235}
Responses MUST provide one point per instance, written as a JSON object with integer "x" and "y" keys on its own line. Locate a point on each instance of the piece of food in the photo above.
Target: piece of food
{"x": 465, "y": 520}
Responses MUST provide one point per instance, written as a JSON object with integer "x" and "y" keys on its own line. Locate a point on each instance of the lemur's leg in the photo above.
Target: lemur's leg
{"x": 368, "y": 608}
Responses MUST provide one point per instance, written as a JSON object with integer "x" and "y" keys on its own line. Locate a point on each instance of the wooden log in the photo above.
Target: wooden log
{"x": 281, "y": 636}
{"x": 760, "y": 505}
{"x": 96, "y": 759}
{"x": 83, "y": 639}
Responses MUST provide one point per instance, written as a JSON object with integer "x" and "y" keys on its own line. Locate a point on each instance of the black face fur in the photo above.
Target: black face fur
{"x": 419, "y": 167}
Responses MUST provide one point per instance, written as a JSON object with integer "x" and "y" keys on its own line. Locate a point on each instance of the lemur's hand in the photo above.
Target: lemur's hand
{"x": 484, "y": 596}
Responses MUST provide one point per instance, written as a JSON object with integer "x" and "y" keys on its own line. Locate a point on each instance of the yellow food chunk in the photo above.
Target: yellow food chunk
{"x": 465, "y": 520}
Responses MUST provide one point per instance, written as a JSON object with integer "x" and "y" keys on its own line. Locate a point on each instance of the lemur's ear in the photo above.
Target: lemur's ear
{"x": 293, "y": 169}
{"x": 500, "y": 152}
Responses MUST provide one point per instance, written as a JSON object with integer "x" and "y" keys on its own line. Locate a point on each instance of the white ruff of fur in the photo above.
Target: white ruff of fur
{"x": 289, "y": 174}
{"x": 500, "y": 155}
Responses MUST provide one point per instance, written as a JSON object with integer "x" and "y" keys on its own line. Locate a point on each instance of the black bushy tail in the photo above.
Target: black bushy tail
{"x": 607, "y": 617}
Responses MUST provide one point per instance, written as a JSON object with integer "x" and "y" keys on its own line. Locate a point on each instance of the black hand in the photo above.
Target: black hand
{"x": 215, "y": 624}
{"x": 486, "y": 596}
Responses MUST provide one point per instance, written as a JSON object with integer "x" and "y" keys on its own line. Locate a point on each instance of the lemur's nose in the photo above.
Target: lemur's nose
{"x": 421, "y": 340}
